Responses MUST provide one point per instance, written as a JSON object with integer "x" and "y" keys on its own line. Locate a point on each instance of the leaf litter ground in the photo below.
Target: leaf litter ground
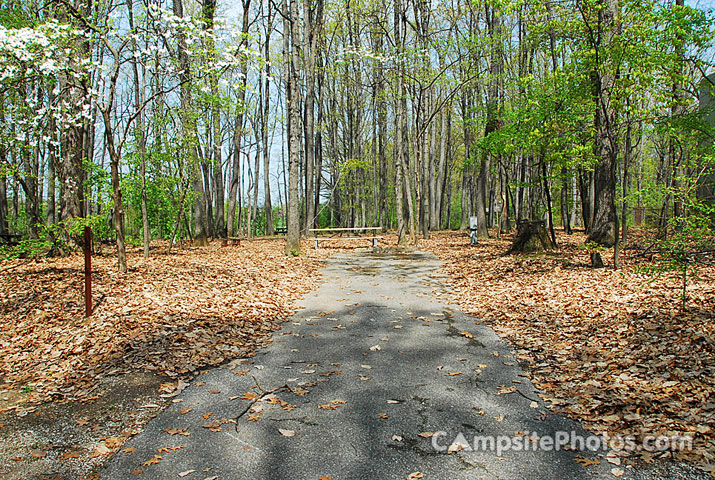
{"x": 611, "y": 348}
{"x": 157, "y": 326}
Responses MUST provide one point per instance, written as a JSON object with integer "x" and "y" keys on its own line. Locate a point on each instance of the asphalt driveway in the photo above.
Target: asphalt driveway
{"x": 375, "y": 378}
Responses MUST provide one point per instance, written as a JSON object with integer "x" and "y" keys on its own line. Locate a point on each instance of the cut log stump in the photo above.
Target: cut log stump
{"x": 531, "y": 236}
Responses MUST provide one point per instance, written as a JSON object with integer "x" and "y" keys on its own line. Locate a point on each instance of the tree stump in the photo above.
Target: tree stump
{"x": 531, "y": 236}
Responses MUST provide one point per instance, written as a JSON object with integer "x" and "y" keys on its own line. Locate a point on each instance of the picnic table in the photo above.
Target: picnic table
{"x": 321, "y": 234}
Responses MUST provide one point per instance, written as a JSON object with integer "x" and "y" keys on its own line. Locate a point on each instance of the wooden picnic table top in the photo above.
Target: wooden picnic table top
{"x": 352, "y": 229}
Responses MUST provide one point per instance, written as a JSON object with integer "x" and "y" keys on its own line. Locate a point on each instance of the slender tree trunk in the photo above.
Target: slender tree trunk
{"x": 235, "y": 170}
{"x": 494, "y": 27}
{"x": 401, "y": 120}
{"x": 313, "y": 22}
{"x": 438, "y": 186}
{"x": 565, "y": 217}
{"x": 118, "y": 213}
{"x": 140, "y": 135}
{"x": 3, "y": 206}
{"x": 677, "y": 111}
{"x": 291, "y": 44}
{"x": 547, "y": 191}
{"x": 266, "y": 99}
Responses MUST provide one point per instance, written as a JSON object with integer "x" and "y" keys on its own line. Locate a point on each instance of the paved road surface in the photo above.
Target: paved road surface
{"x": 357, "y": 375}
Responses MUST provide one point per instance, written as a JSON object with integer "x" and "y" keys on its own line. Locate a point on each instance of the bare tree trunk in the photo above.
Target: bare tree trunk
{"x": 291, "y": 46}
{"x": 401, "y": 121}
{"x": 266, "y": 99}
{"x": 494, "y": 27}
{"x": 3, "y": 205}
{"x": 313, "y": 23}
{"x": 604, "y": 230}
{"x": 72, "y": 175}
{"x": 677, "y": 111}
{"x": 565, "y": 217}
{"x": 256, "y": 183}
{"x": 140, "y": 138}
{"x": 189, "y": 131}
{"x": 436, "y": 201}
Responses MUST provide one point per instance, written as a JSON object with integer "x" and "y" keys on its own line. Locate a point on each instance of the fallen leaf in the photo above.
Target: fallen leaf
{"x": 153, "y": 460}
{"x": 169, "y": 449}
{"x": 101, "y": 451}
{"x": 70, "y": 454}
{"x": 456, "y": 447}
{"x": 286, "y": 433}
{"x": 37, "y": 453}
{"x": 587, "y": 462}
{"x": 186, "y": 473}
{"x": 114, "y": 442}
{"x": 504, "y": 390}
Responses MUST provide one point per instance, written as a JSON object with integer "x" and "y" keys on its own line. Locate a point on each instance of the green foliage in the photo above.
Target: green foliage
{"x": 25, "y": 249}
{"x": 685, "y": 244}
{"x": 592, "y": 247}
{"x": 63, "y": 235}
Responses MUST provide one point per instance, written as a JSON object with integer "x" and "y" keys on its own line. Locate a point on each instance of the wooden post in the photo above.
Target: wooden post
{"x": 87, "y": 272}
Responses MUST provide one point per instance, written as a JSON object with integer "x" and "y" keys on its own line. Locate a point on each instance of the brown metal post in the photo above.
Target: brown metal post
{"x": 87, "y": 272}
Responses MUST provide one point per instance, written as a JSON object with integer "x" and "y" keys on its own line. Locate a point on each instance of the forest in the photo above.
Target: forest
{"x": 183, "y": 132}
{"x": 198, "y": 120}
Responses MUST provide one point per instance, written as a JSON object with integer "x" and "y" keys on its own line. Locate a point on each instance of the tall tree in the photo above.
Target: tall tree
{"x": 604, "y": 230}
{"x": 189, "y": 141}
{"x": 291, "y": 52}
